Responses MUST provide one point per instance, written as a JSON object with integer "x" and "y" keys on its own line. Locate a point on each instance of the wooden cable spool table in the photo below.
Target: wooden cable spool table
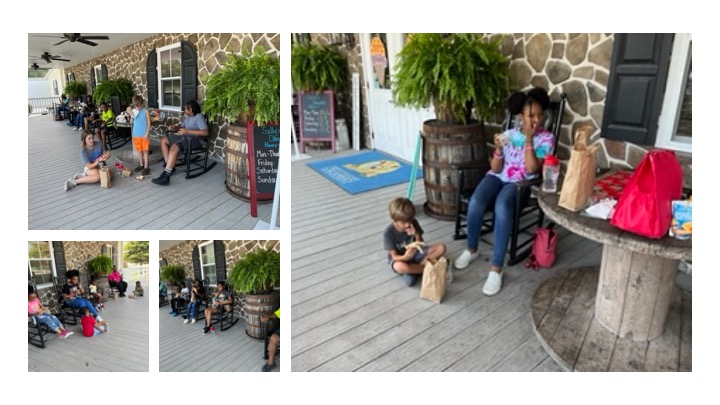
{"x": 635, "y": 300}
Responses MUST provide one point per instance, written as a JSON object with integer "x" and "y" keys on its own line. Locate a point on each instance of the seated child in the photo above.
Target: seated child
{"x": 90, "y": 327}
{"x": 163, "y": 291}
{"x": 179, "y": 300}
{"x": 94, "y": 294}
{"x": 404, "y": 243}
{"x": 139, "y": 292}
{"x": 42, "y": 315}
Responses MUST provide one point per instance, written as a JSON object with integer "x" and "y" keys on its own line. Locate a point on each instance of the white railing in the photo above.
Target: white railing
{"x": 42, "y": 105}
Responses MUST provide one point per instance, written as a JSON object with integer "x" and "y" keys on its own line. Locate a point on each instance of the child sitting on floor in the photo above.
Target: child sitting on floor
{"x": 42, "y": 315}
{"x": 90, "y": 327}
{"x": 404, "y": 243}
{"x": 139, "y": 292}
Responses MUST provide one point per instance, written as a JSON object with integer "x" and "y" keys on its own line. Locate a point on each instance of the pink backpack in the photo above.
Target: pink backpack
{"x": 543, "y": 249}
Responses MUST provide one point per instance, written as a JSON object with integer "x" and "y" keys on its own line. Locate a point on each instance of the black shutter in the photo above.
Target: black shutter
{"x": 115, "y": 105}
{"x": 220, "y": 265}
{"x": 60, "y": 264}
{"x": 103, "y": 73}
{"x": 152, "y": 79}
{"x": 189, "y": 72}
{"x": 92, "y": 79}
{"x": 196, "y": 263}
{"x": 636, "y": 86}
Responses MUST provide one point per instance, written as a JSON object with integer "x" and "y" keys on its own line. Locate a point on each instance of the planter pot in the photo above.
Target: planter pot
{"x": 237, "y": 167}
{"x": 446, "y": 146}
{"x": 256, "y": 307}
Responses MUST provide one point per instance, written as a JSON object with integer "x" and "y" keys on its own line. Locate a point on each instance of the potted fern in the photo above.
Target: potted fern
{"x": 457, "y": 74}
{"x": 121, "y": 87}
{"x": 174, "y": 274}
{"x": 257, "y": 275}
{"x": 75, "y": 89}
{"x": 244, "y": 91}
{"x": 100, "y": 265}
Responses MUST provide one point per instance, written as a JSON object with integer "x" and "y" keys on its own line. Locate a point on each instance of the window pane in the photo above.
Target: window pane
{"x": 209, "y": 273}
{"x": 208, "y": 254}
{"x": 165, "y": 64}
{"x": 171, "y": 92}
{"x": 175, "y": 56}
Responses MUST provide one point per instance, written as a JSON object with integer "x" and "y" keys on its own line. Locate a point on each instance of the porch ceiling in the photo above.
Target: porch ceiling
{"x": 38, "y": 43}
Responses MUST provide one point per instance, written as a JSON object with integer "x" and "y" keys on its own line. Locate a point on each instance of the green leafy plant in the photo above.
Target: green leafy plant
{"x": 453, "y": 72}
{"x": 100, "y": 265}
{"x": 121, "y": 87}
{"x": 173, "y": 273}
{"x": 258, "y": 272}
{"x": 75, "y": 89}
{"x": 318, "y": 67}
{"x": 247, "y": 88}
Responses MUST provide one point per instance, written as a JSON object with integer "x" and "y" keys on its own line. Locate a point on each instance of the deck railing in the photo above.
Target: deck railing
{"x": 42, "y": 105}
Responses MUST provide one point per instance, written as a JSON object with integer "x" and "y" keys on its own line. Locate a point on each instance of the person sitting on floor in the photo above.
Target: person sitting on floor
{"x": 272, "y": 344}
{"x": 92, "y": 157}
{"x": 91, "y": 326}
{"x": 139, "y": 292}
{"x": 221, "y": 297}
{"x": 43, "y": 315}
{"x": 188, "y": 134}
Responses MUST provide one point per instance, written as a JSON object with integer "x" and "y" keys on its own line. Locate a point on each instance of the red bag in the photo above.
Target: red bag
{"x": 543, "y": 249}
{"x": 645, "y": 206}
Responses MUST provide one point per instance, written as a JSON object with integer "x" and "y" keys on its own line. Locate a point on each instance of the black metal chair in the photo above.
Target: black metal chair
{"x": 36, "y": 330}
{"x": 528, "y": 214}
{"x": 113, "y": 136}
{"x": 195, "y": 160}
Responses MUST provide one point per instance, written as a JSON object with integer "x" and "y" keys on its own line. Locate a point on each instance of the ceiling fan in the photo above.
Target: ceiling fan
{"x": 49, "y": 58}
{"x": 81, "y": 39}
{"x": 35, "y": 66}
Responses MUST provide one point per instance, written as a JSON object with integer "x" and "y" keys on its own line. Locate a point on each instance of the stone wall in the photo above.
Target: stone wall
{"x": 212, "y": 50}
{"x": 344, "y": 99}
{"x": 234, "y": 251}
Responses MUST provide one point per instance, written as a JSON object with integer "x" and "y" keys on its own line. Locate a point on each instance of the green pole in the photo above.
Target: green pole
{"x": 416, "y": 162}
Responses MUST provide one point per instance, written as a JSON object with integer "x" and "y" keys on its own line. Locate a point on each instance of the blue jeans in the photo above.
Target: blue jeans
{"x": 192, "y": 306}
{"x": 79, "y": 302}
{"x": 492, "y": 190}
{"x": 80, "y": 121}
{"x": 50, "y": 320}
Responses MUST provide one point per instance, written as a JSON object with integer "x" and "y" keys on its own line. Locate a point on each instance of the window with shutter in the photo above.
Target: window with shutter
{"x": 41, "y": 263}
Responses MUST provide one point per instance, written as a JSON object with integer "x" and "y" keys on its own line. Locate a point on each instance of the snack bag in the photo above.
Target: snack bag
{"x": 681, "y": 225}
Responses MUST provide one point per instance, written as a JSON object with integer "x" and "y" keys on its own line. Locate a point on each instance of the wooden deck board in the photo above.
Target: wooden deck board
{"x": 126, "y": 347}
{"x": 199, "y": 203}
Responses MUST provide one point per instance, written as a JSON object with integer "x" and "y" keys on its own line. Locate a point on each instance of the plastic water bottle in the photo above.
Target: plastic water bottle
{"x": 551, "y": 171}
{"x": 212, "y": 331}
{"x": 450, "y": 273}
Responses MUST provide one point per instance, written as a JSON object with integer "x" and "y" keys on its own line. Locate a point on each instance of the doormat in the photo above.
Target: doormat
{"x": 365, "y": 171}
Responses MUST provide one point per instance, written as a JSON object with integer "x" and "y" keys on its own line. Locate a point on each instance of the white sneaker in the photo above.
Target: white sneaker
{"x": 75, "y": 129}
{"x": 465, "y": 258}
{"x": 70, "y": 184}
{"x": 78, "y": 176}
{"x": 187, "y": 321}
{"x": 193, "y": 320}
{"x": 98, "y": 318}
{"x": 493, "y": 284}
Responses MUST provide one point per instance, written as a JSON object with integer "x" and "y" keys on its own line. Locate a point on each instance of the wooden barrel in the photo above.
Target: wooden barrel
{"x": 237, "y": 180}
{"x": 256, "y": 307}
{"x": 446, "y": 146}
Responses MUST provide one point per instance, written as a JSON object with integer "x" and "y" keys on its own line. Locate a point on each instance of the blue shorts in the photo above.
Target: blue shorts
{"x": 183, "y": 141}
{"x": 417, "y": 258}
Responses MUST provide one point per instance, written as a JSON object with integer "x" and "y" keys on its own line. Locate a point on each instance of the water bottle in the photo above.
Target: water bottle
{"x": 450, "y": 273}
{"x": 212, "y": 331}
{"x": 551, "y": 171}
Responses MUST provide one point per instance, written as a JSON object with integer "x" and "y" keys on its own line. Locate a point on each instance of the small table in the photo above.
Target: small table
{"x": 635, "y": 285}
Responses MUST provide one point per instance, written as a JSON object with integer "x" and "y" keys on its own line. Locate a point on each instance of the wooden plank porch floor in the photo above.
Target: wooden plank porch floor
{"x": 350, "y": 312}
{"x": 126, "y": 347}
{"x": 54, "y": 156}
{"x": 185, "y": 347}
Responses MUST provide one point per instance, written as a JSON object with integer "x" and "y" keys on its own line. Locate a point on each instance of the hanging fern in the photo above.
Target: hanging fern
{"x": 318, "y": 67}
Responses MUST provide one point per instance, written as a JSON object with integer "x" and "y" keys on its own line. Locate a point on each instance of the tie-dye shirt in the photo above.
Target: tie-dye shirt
{"x": 514, "y": 154}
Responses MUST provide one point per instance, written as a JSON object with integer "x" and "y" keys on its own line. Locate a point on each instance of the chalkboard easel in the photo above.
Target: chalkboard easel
{"x": 316, "y": 111}
{"x": 263, "y": 159}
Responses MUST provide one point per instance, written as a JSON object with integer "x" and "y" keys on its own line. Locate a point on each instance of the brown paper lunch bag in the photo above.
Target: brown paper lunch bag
{"x": 434, "y": 280}
{"x": 105, "y": 177}
{"x": 579, "y": 179}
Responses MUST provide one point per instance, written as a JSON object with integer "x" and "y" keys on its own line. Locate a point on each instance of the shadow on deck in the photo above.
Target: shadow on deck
{"x": 185, "y": 347}
{"x": 350, "y": 312}
{"x": 54, "y": 156}
{"x": 126, "y": 347}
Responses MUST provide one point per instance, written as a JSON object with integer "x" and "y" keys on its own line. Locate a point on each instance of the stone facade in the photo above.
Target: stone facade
{"x": 234, "y": 251}
{"x": 212, "y": 52}
{"x": 77, "y": 254}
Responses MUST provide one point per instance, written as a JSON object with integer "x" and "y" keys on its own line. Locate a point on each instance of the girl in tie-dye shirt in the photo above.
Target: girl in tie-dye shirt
{"x": 519, "y": 154}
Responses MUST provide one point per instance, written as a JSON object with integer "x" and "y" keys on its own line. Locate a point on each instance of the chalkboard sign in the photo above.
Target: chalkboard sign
{"x": 264, "y": 154}
{"x": 317, "y": 117}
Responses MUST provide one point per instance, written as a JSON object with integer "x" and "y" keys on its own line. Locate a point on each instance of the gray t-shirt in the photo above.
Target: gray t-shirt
{"x": 394, "y": 239}
{"x": 194, "y": 122}
{"x": 89, "y": 155}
